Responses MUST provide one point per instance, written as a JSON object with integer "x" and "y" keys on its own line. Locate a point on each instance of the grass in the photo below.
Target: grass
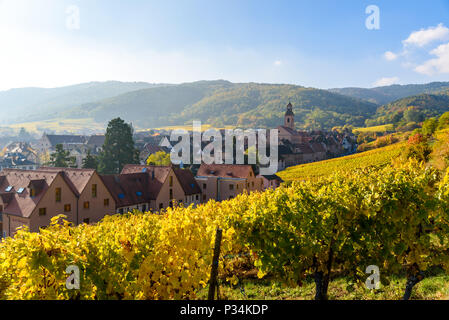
{"x": 381, "y": 128}
{"x": 435, "y": 287}
{"x": 380, "y": 156}
{"x": 60, "y": 125}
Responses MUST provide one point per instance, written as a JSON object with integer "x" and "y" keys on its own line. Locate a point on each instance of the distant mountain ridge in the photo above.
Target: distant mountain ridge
{"x": 24, "y": 102}
{"x": 415, "y": 108}
{"x": 387, "y": 94}
{"x": 221, "y": 103}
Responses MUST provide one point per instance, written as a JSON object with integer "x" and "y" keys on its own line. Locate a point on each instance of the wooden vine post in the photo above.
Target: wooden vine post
{"x": 214, "y": 268}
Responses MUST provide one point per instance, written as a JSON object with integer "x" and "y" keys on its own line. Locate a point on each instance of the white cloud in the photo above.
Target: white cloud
{"x": 390, "y": 56}
{"x": 386, "y": 81}
{"x": 440, "y": 64}
{"x": 277, "y": 63}
{"x": 425, "y": 36}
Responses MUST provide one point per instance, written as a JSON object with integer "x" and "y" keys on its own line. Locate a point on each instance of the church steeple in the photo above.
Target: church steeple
{"x": 289, "y": 118}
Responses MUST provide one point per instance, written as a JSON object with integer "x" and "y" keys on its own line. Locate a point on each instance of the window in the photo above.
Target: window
{"x": 171, "y": 181}
{"x": 58, "y": 194}
{"x": 32, "y": 192}
{"x": 86, "y": 220}
{"x": 171, "y": 194}
{"x": 144, "y": 208}
{"x": 204, "y": 197}
{"x": 197, "y": 197}
{"x": 252, "y": 184}
{"x": 67, "y": 208}
{"x": 120, "y": 210}
{"x": 86, "y": 205}
{"x": 42, "y": 211}
{"x": 231, "y": 187}
{"x": 161, "y": 205}
{"x": 20, "y": 190}
{"x": 94, "y": 191}
{"x": 106, "y": 202}
{"x": 237, "y": 187}
{"x": 204, "y": 186}
{"x": 8, "y": 188}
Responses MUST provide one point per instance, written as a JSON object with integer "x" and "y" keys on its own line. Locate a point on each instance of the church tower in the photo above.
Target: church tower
{"x": 289, "y": 118}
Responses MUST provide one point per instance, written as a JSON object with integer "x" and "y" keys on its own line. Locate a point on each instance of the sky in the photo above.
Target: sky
{"x": 313, "y": 43}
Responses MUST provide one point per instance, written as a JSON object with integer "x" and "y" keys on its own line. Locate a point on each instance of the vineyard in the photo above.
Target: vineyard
{"x": 376, "y": 157}
{"x": 381, "y": 128}
{"x": 394, "y": 218}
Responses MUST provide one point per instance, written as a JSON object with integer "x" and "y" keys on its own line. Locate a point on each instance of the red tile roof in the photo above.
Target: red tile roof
{"x": 317, "y": 147}
{"x": 21, "y": 204}
{"x": 225, "y": 170}
{"x": 156, "y": 176}
{"x": 77, "y": 179}
{"x": 187, "y": 181}
{"x": 128, "y": 189}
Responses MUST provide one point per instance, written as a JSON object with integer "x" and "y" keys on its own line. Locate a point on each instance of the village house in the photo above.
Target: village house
{"x": 225, "y": 181}
{"x": 271, "y": 181}
{"x": 94, "y": 198}
{"x": 165, "y": 186}
{"x": 77, "y": 145}
{"x": 298, "y": 147}
{"x": 32, "y": 198}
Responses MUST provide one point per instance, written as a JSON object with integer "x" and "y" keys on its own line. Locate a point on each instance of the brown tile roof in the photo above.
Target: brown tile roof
{"x": 61, "y": 139}
{"x": 187, "y": 181}
{"x": 96, "y": 140}
{"x": 156, "y": 176}
{"x": 152, "y": 148}
{"x": 224, "y": 170}
{"x": 305, "y": 148}
{"x": 21, "y": 204}
{"x": 317, "y": 147}
{"x": 289, "y": 130}
{"x": 270, "y": 177}
{"x": 77, "y": 179}
{"x": 128, "y": 189}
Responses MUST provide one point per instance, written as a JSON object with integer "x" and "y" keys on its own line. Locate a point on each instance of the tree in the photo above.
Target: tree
{"x": 159, "y": 158}
{"x": 443, "y": 121}
{"x": 118, "y": 148}
{"x": 429, "y": 126}
{"x": 417, "y": 148}
{"x": 61, "y": 158}
{"x": 412, "y": 114}
{"x": 90, "y": 162}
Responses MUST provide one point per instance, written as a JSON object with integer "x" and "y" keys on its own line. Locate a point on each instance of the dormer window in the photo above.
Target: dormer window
{"x": 32, "y": 192}
{"x": 20, "y": 190}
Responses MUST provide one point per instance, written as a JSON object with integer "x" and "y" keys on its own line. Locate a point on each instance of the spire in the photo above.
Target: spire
{"x": 289, "y": 118}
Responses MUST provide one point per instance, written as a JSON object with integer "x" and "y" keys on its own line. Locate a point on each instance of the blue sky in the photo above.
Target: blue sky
{"x": 320, "y": 44}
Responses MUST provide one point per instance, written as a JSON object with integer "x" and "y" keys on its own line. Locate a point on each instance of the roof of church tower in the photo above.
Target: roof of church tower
{"x": 289, "y": 111}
